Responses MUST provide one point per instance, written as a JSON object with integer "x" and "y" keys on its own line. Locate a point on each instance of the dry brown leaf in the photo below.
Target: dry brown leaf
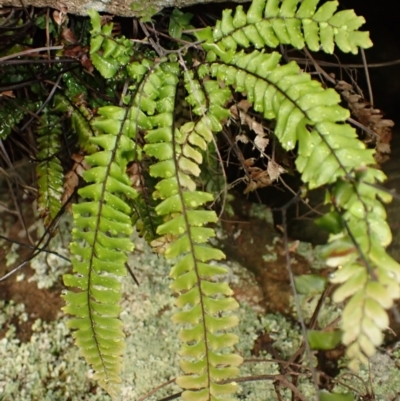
{"x": 293, "y": 246}
{"x": 82, "y": 54}
{"x": 249, "y": 162}
{"x": 274, "y": 170}
{"x": 370, "y": 117}
{"x": 134, "y": 172}
{"x": 261, "y": 142}
{"x": 161, "y": 244}
{"x": 7, "y": 93}
{"x": 69, "y": 36}
{"x": 251, "y": 186}
{"x": 60, "y": 17}
{"x": 71, "y": 180}
{"x": 256, "y": 178}
{"x": 239, "y": 112}
{"x": 86, "y": 63}
{"x": 242, "y": 138}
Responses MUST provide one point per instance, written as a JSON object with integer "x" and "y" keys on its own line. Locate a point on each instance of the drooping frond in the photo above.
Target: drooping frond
{"x": 205, "y": 303}
{"x": 369, "y": 276}
{"x": 310, "y": 118}
{"x": 101, "y": 242}
{"x": 50, "y": 177}
{"x": 292, "y": 22}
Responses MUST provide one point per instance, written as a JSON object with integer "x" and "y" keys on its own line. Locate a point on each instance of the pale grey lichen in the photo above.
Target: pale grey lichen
{"x": 271, "y": 256}
{"x": 49, "y": 367}
{"x": 12, "y": 254}
{"x": 381, "y": 378}
{"x": 261, "y": 212}
{"x": 312, "y": 254}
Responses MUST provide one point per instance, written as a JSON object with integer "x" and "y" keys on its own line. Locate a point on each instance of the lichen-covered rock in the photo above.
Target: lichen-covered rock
{"x": 127, "y": 8}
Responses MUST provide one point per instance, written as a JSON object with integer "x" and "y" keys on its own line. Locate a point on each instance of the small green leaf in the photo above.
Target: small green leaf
{"x": 324, "y": 396}
{"x": 107, "y": 68}
{"x": 324, "y": 340}
{"x": 331, "y": 222}
{"x": 179, "y": 21}
{"x": 95, "y": 20}
{"x": 310, "y": 284}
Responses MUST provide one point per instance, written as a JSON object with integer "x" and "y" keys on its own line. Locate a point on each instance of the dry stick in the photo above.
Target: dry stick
{"x": 155, "y": 45}
{"x": 40, "y": 61}
{"x": 48, "y": 32}
{"x": 185, "y": 42}
{"x": 30, "y": 51}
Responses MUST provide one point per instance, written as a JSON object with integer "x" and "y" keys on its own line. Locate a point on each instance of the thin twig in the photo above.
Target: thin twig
{"x": 296, "y": 298}
{"x": 35, "y": 248}
{"x": 364, "y": 57}
{"x": 155, "y": 389}
{"x": 30, "y": 51}
{"x": 40, "y": 109}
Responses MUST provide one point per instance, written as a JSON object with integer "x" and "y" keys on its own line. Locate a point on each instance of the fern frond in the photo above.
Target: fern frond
{"x": 100, "y": 247}
{"x": 292, "y": 22}
{"x": 12, "y": 113}
{"x": 50, "y": 176}
{"x": 329, "y": 152}
{"x": 305, "y": 113}
{"x": 205, "y": 303}
{"x": 145, "y": 218}
{"x": 369, "y": 277}
{"x": 107, "y": 53}
{"x": 80, "y": 117}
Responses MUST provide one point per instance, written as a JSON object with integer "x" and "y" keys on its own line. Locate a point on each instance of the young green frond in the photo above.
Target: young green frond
{"x": 107, "y": 53}
{"x": 205, "y": 304}
{"x": 291, "y": 22}
{"x": 49, "y": 171}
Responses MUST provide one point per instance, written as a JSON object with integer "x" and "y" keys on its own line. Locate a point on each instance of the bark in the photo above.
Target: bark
{"x": 115, "y": 7}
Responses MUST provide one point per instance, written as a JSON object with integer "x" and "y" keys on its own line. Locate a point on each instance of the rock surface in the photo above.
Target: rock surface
{"x": 115, "y": 7}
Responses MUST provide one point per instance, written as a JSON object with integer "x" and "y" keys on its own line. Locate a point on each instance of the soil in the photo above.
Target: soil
{"x": 41, "y": 304}
{"x": 251, "y": 241}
